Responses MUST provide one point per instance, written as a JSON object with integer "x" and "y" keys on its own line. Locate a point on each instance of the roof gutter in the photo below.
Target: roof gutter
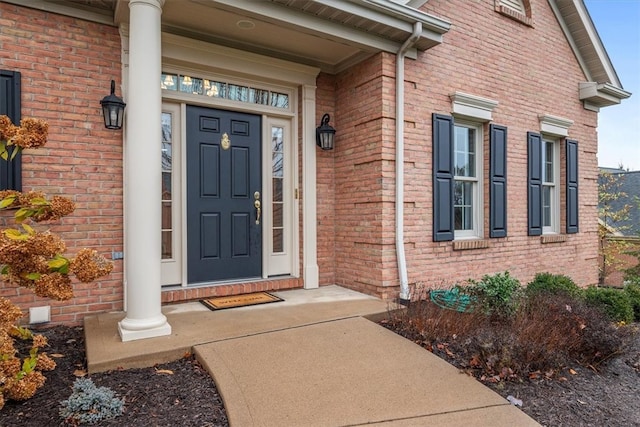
{"x": 400, "y": 255}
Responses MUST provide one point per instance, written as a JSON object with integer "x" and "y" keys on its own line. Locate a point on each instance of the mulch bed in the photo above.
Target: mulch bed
{"x": 181, "y": 393}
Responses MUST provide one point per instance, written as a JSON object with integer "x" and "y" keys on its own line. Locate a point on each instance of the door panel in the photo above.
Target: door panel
{"x": 224, "y": 238}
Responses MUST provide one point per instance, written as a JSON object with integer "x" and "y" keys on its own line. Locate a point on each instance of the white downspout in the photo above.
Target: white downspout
{"x": 400, "y": 255}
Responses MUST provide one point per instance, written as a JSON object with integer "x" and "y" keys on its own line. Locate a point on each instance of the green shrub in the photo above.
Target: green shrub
{"x": 554, "y": 284}
{"x": 614, "y": 302}
{"x": 633, "y": 291}
{"x": 497, "y": 294}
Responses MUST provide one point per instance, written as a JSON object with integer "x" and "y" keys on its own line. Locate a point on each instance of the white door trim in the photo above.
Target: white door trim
{"x": 200, "y": 58}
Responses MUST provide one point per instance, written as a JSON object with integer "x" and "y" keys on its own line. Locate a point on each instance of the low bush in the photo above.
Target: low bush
{"x": 546, "y": 333}
{"x": 615, "y": 303}
{"x": 497, "y": 294}
{"x": 633, "y": 291}
{"x": 553, "y": 284}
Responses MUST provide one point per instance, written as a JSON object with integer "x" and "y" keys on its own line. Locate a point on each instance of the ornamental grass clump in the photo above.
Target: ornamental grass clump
{"x": 89, "y": 404}
{"x": 33, "y": 259}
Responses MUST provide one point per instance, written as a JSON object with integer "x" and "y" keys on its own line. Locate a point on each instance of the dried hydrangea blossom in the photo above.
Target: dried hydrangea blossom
{"x": 39, "y": 341}
{"x": 57, "y": 208}
{"x": 55, "y": 286}
{"x": 7, "y": 128}
{"x": 32, "y": 133}
{"x": 42, "y": 244}
{"x": 88, "y": 265}
{"x": 26, "y": 387}
{"x": 45, "y": 363}
{"x": 6, "y": 349}
{"x": 9, "y": 313}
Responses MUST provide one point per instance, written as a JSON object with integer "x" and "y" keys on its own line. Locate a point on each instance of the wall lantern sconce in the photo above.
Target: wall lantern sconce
{"x": 325, "y": 134}
{"x": 112, "y": 109}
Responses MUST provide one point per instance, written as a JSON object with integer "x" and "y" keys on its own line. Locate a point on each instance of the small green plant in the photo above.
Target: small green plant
{"x": 615, "y": 303}
{"x": 497, "y": 294}
{"x": 554, "y": 284}
{"x": 89, "y": 404}
{"x": 633, "y": 291}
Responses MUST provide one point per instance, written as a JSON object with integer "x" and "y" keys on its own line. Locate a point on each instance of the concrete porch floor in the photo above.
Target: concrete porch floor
{"x": 312, "y": 360}
{"x": 192, "y": 324}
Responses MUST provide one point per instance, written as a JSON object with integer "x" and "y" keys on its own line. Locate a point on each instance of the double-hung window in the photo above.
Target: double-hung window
{"x": 550, "y": 186}
{"x": 467, "y": 193}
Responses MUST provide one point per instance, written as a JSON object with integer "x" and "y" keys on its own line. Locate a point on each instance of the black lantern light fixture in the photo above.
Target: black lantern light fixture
{"x": 112, "y": 109}
{"x": 325, "y": 134}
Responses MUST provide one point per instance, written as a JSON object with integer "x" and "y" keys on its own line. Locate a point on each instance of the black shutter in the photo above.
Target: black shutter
{"x": 498, "y": 181}
{"x": 572, "y": 186}
{"x": 534, "y": 183}
{"x": 10, "y": 171}
{"x": 442, "y": 178}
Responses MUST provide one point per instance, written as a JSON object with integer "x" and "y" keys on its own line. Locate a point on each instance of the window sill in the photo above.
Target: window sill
{"x": 464, "y": 245}
{"x": 553, "y": 238}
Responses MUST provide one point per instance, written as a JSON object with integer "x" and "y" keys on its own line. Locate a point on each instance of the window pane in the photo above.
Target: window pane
{"x": 169, "y": 81}
{"x": 277, "y": 189}
{"x": 546, "y": 206}
{"x": 166, "y": 216}
{"x": 215, "y": 89}
{"x": 259, "y": 96}
{"x": 276, "y": 138}
{"x": 238, "y": 93}
{"x": 278, "y": 241}
{"x": 465, "y": 151}
{"x": 463, "y": 205}
{"x": 279, "y": 100}
{"x": 277, "y": 215}
{"x": 167, "y": 250}
{"x": 548, "y": 162}
{"x": 278, "y": 159}
{"x": 166, "y": 185}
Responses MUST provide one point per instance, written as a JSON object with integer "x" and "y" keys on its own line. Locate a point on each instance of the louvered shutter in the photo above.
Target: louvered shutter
{"x": 10, "y": 171}
{"x": 572, "y": 186}
{"x": 534, "y": 183}
{"x": 498, "y": 181}
{"x": 443, "y": 228}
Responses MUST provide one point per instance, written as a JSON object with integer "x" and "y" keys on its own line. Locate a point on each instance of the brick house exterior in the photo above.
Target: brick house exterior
{"x": 514, "y": 80}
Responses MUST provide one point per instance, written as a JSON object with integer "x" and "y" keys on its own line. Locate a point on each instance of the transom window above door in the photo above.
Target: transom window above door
{"x": 223, "y": 89}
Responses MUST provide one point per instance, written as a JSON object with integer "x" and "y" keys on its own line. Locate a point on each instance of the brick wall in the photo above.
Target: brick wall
{"x": 67, "y": 65}
{"x": 529, "y": 71}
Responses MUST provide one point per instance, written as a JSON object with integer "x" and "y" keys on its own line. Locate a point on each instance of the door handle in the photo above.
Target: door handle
{"x": 257, "y": 205}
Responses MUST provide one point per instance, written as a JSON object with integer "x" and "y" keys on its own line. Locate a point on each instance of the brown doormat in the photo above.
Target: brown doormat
{"x": 233, "y": 301}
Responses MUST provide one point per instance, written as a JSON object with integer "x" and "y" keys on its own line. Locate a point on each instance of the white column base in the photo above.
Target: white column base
{"x": 131, "y": 330}
{"x": 311, "y": 277}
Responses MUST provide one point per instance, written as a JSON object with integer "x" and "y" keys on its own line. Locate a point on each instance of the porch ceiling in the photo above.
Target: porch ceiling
{"x": 329, "y": 34}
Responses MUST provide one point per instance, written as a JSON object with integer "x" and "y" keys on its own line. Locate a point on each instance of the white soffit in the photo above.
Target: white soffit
{"x": 554, "y": 125}
{"x": 471, "y": 106}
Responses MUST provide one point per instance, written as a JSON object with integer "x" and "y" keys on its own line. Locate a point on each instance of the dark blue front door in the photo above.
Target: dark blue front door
{"x": 224, "y": 224}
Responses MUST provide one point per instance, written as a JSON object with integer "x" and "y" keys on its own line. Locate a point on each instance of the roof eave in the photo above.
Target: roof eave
{"x": 603, "y": 87}
{"x": 597, "y": 95}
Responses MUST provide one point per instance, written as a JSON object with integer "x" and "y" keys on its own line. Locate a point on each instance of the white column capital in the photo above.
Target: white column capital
{"x": 155, "y": 3}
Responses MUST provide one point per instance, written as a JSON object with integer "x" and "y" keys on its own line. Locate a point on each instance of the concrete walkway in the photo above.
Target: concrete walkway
{"x": 313, "y": 360}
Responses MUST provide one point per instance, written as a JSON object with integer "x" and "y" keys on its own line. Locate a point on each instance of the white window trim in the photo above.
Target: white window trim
{"x": 554, "y": 228}
{"x": 284, "y": 262}
{"x": 171, "y": 269}
{"x": 478, "y": 192}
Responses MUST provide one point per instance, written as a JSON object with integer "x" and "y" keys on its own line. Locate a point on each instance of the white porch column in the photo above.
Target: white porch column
{"x": 142, "y": 186}
{"x": 311, "y": 272}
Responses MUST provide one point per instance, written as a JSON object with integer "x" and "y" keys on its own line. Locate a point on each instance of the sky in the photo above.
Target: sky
{"x": 618, "y": 24}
